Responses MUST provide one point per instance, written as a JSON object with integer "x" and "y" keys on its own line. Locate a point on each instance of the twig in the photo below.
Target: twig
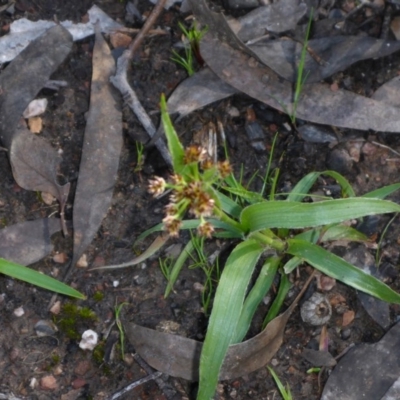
{"x": 120, "y": 81}
{"x": 131, "y": 386}
{"x": 166, "y": 388}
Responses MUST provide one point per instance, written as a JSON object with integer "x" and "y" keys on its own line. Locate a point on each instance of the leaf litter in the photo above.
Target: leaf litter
{"x": 29, "y": 241}
{"x": 100, "y": 153}
{"x": 242, "y": 67}
{"x": 33, "y": 160}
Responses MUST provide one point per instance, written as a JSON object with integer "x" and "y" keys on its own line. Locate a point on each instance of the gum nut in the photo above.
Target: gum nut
{"x": 89, "y": 340}
{"x": 316, "y": 310}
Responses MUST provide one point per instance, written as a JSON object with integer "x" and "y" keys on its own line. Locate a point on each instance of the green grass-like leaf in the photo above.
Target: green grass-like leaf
{"x": 174, "y": 145}
{"x": 294, "y": 215}
{"x": 337, "y": 268}
{"x": 305, "y": 184}
{"x": 255, "y": 296}
{"x": 36, "y": 278}
{"x": 225, "y": 314}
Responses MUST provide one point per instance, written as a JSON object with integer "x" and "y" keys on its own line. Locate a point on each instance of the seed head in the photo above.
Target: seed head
{"x": 205, "y": 229}
{"x": 194, "y": 154}
{"x": 157, "y": 186}
{"x": 224, "y": 168}
{"x": 172, "y": 225}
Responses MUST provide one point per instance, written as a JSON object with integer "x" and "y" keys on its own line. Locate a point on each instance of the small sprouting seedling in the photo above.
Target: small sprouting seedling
{"x": 313, "y": 370}
{"x": 192, "y": 48}
{"x": 120, "y": 328}
{"x": 301, "y": 78}
{"x": 285, "y": 392}
{"x": 139, "y": 157}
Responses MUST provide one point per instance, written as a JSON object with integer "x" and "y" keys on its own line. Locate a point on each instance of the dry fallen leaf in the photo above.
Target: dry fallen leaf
{"x": 180, "y": 357}
{"x": 33, "y": 160}
{"x": 238, "y": 65}
{"x": 29, "y": 241}
{"x": 101, "y": 150}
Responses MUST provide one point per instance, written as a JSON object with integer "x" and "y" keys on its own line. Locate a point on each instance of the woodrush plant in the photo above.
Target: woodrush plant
{"x": 33, "y": 277}
{"x": 293, "y": 233}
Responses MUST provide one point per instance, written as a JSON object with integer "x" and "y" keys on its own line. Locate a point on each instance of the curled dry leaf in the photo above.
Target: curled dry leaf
{"x": 29, "y": 241}
{"x": 101, "y": 150}
{"x": 180, "y": 357}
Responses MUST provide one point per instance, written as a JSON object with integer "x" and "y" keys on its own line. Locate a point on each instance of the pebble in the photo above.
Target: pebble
{"x": 340, "y": 161}
{"x": 317, "y": 133}
{"x": 48, "y": 382}
{"x": 19, "y": 312}
{"x": 45, "y": 328}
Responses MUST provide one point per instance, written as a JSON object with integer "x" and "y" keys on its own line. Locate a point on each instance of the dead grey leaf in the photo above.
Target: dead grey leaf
{"x": 35, "y": 163}
{"x": 23, "y": 31}
{"x": 199, "y": 90}
{"x": 101, "y": 151}
{"x": 318, "y": 358}
{"x": 180, "y": 357}
{"x": 317, "y": 102}
{"x": 389, "y": 92}
{"x": 22, "y": 80}
{"x": 336, "y": 54}
{"x": 278, "y": 17}
{"x": 366, "y": 372}
{"x": 29, "y": 241}
{"x": 33, "y": 160}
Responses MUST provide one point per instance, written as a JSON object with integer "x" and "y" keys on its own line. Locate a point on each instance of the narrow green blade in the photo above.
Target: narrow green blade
{"x": 36, "y": 278}
{"x": 254, "y": 298}
{"x": 294, "y": 215}
{"x": 383, "y": 192}
{"x": 174, "y": 145}
{"x": 341, "y": 270}
{"x": 228, "y": 303}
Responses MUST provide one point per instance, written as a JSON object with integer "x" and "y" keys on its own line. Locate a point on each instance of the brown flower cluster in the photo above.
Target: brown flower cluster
{"x": 191, "y": 191}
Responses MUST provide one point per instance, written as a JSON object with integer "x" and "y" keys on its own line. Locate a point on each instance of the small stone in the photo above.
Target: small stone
{"x": 33, "y": 384}
{"x": 78, "y": 383}
{"x": 82, "y": 367}
{"x": 82, "y": 262}
{"x": 89, "y": 340}
{"x": 45, "y": 328}
{"x": 19, "y": 312}
{"x": 48, "y": 382}
{"x": 60, "y": 258}
{"x": 35, "y": 124}
{"x": 128, "y": 359}
{"x": 58, "y": 370}
{"x": 47, "y": 198}
{"x": 35, "y": 108}
{"x": 339, "y": 160}
{"x": 345, "y": 334}
{"x": 56, "y": 308}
